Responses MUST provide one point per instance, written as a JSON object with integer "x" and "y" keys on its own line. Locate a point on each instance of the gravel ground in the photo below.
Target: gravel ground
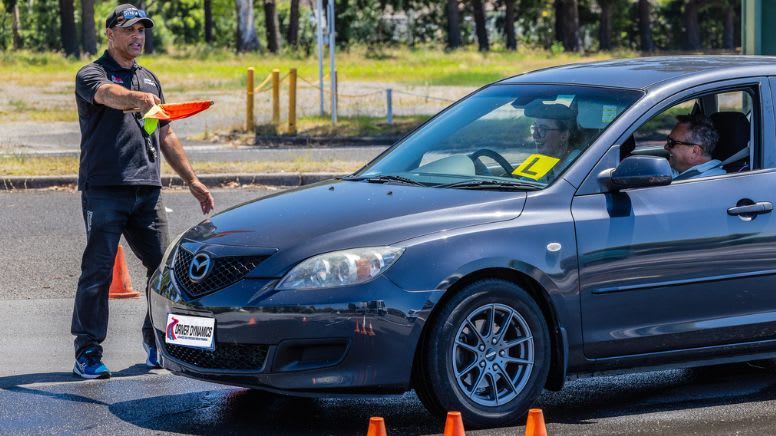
{"x": 356, "y": 98}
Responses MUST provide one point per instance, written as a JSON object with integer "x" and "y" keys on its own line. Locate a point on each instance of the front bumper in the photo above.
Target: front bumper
{"x": 348, "y": 340}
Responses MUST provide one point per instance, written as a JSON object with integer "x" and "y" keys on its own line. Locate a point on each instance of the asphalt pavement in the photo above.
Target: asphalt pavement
{"x": 41, "y": 233}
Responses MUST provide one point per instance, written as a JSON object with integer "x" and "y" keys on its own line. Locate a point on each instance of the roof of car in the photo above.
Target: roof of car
{"x": 646, "y": 73}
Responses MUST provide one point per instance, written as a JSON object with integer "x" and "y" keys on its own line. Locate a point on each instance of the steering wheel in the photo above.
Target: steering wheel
{"x": 481, "y": 168}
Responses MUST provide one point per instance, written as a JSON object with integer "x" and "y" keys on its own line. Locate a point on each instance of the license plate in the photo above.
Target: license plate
{"x": 190, "y": 331}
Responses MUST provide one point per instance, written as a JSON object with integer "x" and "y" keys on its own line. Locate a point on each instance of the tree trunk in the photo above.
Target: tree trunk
{"x": 645, "y": 26}
{"x": 692, "y": 33}
{"x": 729, "y": 37}
{"x": 67, "y": 27}
{"x": 17, "y": 27}
{"x": 605, "y": 27}
{"x": 246, "y": 30}
{"x": 480, "y": 25}
{"x": 208, "y": 6}
{"x": 567, "y": 25}
{"x": 453, "y": 24}
{"x": 272, "y": 25}
{"x": 509, "y": 24}
{"x": 293, "y": 24}
{"x": 87, "y": 27}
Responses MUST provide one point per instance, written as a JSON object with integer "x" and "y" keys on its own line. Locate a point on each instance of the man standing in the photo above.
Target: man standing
{"x": 119, "y": 179}
{"x": 690, "y": 145}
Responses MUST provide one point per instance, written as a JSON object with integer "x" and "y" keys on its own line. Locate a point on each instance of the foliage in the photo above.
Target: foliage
{"x": 380, "y": 23}
{"x": 40, "y": 25}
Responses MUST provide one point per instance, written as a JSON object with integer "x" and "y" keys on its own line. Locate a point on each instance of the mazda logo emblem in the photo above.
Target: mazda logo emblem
{"x": 200, "y": 267}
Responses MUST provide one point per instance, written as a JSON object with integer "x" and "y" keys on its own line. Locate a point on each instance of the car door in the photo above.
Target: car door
{"x": 680, "y": 266}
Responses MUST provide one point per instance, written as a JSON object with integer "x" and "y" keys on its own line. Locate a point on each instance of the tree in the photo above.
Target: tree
{"x": 16, "y": 25}
{"x": 480, "y": 25}
{"x": 88, "y": 33}
{"x": 729, "y": 32}
{"x": 509, "y": 24}
{"x": 293, "y": 24}
{"x": 453, "y": 24}
{"x": 272, "y": 26}
{"x": 567, "y": 24}
{"x": 692, "y": 33}
{"x": 67, "y": 27}
{"x": 605, "y": 24}
{"x": 246, "y": 29}
{"x": 208, "y": 9}
{"x": 645, "y": 26}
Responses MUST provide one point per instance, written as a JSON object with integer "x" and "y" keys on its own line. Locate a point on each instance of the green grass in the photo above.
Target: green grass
{"x": 20, "y": 110}
{"x": 21, "y": 165}
{"x": 348, "y": 126}
{"x": 221, "y": 68}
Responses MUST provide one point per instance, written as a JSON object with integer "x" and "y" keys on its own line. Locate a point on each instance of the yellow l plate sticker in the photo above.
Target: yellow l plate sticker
{"x": 536, "y": 166}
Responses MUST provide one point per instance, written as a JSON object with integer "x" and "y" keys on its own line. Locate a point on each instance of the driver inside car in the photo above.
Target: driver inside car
{"x": 553, "y": 129}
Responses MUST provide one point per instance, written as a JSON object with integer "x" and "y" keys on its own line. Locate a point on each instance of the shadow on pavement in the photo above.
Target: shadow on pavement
{"x": 15, "y": 381}
{"x": 588, "y": 400}
{"x": 249, "y": 411}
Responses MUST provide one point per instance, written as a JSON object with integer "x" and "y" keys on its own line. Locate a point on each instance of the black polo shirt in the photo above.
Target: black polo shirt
{"x": 113, "y": 145}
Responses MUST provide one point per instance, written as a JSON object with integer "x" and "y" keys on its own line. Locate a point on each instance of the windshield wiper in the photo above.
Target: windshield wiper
{"x": 493, "y": 184}
{"x": 386, "y": 179}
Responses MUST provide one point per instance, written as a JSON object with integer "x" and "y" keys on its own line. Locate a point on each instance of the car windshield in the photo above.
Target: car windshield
{"x": 504, "y": 137}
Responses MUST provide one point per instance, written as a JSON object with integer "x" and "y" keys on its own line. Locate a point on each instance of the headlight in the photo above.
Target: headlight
{"x": 341, "y": 268}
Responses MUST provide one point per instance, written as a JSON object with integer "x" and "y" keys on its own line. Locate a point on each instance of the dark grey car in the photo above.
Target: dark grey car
{"x": 479, "y": 260}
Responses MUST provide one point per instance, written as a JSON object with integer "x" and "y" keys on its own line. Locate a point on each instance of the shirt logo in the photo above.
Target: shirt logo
{"x": 148, "y": 81}
{"x": 116, "y": 79}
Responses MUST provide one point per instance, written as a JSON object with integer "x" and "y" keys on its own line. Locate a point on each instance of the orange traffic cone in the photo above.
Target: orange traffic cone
{"x": 121, "y": 285}
{"x": 454, "y": 425}
{"x": 376, "y": 427}
{"x": 535, "y": 424}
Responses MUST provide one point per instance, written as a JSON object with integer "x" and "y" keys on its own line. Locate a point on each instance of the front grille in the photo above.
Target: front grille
{"x": 225, "y": 271}
{"x": 225, "y": 356}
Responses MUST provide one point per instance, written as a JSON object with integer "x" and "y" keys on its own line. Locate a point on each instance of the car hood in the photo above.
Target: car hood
{"x": 336, "y": 215}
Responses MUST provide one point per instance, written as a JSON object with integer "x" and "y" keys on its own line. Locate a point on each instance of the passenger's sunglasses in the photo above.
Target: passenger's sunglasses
{"x": 671, "y": 143}
{"x": 541, "y": 131}
{"x": 128, "y": 15}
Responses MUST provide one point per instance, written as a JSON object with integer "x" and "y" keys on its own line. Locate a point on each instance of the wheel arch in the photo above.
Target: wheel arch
{"x": 558, "y": 338}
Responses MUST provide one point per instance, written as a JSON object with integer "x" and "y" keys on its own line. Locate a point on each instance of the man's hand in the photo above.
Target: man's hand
{"x": 201, "y": 193}
{"x": 146, "y": 100}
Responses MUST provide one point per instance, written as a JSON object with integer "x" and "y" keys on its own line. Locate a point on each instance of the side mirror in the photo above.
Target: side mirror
{"x": 638, "y": 172}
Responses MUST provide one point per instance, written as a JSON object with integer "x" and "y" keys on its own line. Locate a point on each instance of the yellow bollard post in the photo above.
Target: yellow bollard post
{"x": 249, "y": 126}
{"x": 275, "y": 97}
{"x": 292, "y": 102}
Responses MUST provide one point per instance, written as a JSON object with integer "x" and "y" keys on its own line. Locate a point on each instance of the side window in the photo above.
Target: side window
{"x": 705, "y": 136}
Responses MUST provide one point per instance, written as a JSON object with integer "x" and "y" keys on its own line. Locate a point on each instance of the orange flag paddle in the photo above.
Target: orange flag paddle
{"x": 173, "y": 111}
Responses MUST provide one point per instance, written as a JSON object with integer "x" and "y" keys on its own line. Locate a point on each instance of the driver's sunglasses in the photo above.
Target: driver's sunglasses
{"x": 128, "y": 15}
{"x": 671, "y": 143}
{"x": 541, "y": 131}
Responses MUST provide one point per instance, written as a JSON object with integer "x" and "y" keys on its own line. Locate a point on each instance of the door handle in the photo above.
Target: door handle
{"x": 751, "y": 209}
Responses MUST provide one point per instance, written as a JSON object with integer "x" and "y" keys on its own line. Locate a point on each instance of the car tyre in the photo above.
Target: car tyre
{"x": 486, "y": 355}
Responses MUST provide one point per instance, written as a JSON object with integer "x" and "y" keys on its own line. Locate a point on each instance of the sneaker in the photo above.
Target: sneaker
{"x": 152, "y": 361}
{"x": 89, "y": 365}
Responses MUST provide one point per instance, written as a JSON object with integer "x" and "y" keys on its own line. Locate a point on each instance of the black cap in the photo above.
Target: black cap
{"x": 552, "y": 111}
{"x": 119, "y": 18}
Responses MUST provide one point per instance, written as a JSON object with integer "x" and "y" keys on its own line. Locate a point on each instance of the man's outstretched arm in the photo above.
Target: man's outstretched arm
{"x": 173, "y": 152}
{"x": 121, "y": 98}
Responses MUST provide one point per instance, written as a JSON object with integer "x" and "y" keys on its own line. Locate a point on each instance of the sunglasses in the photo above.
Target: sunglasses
{"x": 541, "y": 131}
{"x": 671, "y": 143}
{"x": 128, "y": 15}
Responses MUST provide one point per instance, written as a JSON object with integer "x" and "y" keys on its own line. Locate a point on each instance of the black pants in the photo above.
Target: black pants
{"x": 136, "y": 212}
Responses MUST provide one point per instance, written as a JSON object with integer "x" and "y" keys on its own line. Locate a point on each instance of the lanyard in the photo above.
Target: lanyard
{"x": 150, "y": 150}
